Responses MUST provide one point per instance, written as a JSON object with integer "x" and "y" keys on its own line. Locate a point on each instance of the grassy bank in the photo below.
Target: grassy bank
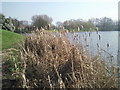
{"x": 10, "y": 39}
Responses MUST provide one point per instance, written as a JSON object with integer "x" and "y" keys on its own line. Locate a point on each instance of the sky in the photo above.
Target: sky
{"x": 60, "y": 11}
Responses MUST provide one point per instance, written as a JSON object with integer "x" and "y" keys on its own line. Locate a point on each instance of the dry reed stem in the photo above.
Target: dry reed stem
{"x": 52, "y": 61}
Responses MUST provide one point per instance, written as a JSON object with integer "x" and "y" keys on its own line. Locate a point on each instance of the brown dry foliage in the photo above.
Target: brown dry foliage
{"x": 50, "y": 61}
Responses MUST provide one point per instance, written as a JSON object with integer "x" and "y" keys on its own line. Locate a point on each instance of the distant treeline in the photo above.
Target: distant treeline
{"x": 43, "y": 21}
{"x": 102, "y": 24}
{"x": 105, "y": 24}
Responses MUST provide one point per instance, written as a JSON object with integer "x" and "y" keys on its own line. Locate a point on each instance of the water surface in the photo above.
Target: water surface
{"x": 104, "y": 42}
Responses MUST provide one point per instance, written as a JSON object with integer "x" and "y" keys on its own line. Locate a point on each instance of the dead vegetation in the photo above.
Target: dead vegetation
{"x": 50, "y": 61}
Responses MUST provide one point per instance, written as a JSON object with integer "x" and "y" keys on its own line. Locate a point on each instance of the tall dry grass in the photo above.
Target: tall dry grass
{"x": 50, "y": 61}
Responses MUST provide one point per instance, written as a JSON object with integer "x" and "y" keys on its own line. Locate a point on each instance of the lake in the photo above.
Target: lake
{"x": 104, "y": 42}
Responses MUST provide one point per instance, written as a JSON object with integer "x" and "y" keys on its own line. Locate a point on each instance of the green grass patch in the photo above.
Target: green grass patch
{"x": 10, "y": 39}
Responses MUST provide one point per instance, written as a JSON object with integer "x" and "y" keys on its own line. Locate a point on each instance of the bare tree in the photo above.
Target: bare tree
{"x": 41, "y": 21}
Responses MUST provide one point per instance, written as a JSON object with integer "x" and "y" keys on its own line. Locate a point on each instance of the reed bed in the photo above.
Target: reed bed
{"x": 49, "y": 60}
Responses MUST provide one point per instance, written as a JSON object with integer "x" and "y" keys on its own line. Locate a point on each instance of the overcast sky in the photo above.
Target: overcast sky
{"x": 61, "y": 11}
